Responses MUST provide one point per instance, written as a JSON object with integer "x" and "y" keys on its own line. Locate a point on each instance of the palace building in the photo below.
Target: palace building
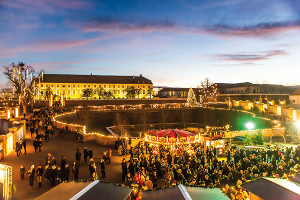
{"x": 72, "y": 86}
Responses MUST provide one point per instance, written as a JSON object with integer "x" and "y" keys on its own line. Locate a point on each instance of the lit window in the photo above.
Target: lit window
{"x": 114, "y": 86}
{"x": 63, "y": 86}
{"x": 118, "y": 86}
{"x": 51, "y": 85}
{"x": 73, "y": 86}
{"x": 69, "y": 92}
{"x": 69, "y": 86}
{"x": 104, "y": 86}
{"x": 78, "y": 86}
{"x": 143, "y": 86}
{"x": 123, "y": 86}
{"x": 64, "y": 92}
{"x": 109, "y": 86}
{"x": 42, "y": 85}
{"x": 73, "y": 92}
{"x": 57, "y": 92}
{"x": 89, "y": 86}
{"x": 57, "y": 85}
{"x": 84, "y": 86}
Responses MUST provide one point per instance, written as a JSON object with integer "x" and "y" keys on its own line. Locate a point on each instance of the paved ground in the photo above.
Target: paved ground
{"x": 58, "y": 147}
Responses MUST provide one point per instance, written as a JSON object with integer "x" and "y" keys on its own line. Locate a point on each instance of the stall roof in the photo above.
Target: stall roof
{"x": 281, "y": 189}
{"x": 163, "y": 194}
{"x": 64, "y": 191}
{"x": 295, "y": 178}
{"x": 105, "y": 191}
{"x": 206, "y": 193}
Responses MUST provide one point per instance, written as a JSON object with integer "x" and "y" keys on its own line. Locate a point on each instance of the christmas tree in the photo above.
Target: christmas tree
{"x": 191, "y": 100}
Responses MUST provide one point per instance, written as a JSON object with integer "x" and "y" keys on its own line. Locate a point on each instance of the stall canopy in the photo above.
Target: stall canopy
{"x": 295, "y": 178}
{"x": 181, "y": 192}
{"x": 86, "y": 190}
{"x": 273, "y": 188}
{"x": 105, "y": 191}
{"x": 206, "y": 193}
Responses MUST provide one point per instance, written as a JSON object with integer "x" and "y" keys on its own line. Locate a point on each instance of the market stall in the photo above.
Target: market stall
{"x": 219, "y": 144}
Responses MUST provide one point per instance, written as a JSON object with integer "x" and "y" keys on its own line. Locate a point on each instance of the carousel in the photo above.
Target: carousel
{"x": 172, "y": 136}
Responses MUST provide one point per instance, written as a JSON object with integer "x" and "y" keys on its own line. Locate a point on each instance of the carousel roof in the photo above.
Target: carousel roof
{"x": 175, "y": 133}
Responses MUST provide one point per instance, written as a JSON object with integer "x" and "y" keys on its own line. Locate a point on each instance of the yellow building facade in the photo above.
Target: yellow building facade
{"x": 72, "y": 86}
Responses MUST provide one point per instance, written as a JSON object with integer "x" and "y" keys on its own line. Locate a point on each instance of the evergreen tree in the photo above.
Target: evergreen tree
{"x": 191, "y": 100}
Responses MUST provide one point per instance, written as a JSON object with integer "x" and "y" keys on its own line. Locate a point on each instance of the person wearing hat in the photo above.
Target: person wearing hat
{"x": 39, "y": 174}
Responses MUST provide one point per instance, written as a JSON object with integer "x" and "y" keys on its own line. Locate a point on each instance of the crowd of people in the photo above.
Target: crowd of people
{"x": 204, "y": 168}
{"x": 41, "y": 127}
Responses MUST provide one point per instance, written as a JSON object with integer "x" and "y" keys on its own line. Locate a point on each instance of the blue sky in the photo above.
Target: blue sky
{"x": 173, "y": 42}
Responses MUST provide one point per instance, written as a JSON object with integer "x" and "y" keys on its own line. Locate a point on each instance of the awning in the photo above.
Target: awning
{"x": 273, "y": 188}
{"x": 181, "y": 192}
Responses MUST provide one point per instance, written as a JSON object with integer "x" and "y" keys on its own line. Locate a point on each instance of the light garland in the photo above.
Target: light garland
{"x": 9, "y": 143}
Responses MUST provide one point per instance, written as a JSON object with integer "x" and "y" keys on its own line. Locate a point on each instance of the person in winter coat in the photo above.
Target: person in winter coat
{"x": 35, "y": 145}
{"x": 90, "y": 153}
{"x": 67, "y": 173}
{"x": 124, "y": 169}
{"x": 85, "y": 154}
{"x": 102, "y": 165}
{"x": 75, "y": 171}
{"x": 31, "y": 177}
{"x": 78, "y": 156}
{"x": 53, "y": 174}
{"x": 22, "y": 171}
{"x": 39, "y": 174}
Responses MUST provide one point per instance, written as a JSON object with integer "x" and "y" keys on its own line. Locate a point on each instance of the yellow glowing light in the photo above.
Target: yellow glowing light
{"x": 8, "y": 114}
{"x": 9, "y": 143}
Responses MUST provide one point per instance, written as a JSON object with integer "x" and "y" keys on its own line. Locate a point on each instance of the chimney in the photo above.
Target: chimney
{"x": 132, "y": 76}
{"x": 91, "y": 74}
{"x": 141, "y": 75}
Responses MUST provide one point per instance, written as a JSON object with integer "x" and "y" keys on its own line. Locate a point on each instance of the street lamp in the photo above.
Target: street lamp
{"x": 250, "y": 126}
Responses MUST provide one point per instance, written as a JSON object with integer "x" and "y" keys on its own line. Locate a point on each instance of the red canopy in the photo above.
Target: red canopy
{"x": 172, "y": 133}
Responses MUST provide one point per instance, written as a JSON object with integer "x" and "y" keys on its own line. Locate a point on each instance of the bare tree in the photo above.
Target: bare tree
{"x": 144, "y": 118}
{"x": 25, "y": 82}
{"x": 208, "y": 91}
{"x": 119, "y": 124}
{"x": 164, "y": 117}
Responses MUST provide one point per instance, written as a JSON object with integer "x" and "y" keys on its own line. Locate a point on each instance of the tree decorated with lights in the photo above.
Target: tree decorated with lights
{"x": 25, "y": 82}
{"x": 191, "y": 100}
{"x": 208, "y": 91}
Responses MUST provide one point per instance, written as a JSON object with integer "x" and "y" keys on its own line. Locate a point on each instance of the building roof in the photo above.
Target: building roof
{"x": 297, "y": 92}
{"x": 69, "y": 78}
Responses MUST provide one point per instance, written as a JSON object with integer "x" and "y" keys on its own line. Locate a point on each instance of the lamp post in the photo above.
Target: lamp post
{"x": 249, "y": 126}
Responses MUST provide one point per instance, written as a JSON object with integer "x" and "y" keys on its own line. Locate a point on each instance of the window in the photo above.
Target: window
{"x": 109, "y": 86}
{"x": 64, "y": 92}
{"x": 95, "y": 86}
{"x": 57, "y": 92}
{"x": 143, "y": 91}
{"x": 78, "y": 86}
{"x": 69, "y": 92}
{"x": 78, "y": 92}
{"x": 42, "y": 85}
{"x": 84, "y": 86}
{"x": 63, "y": 86}
{"x": 73, "y": 92}
{"x": 143, "y": 86}
{"x": 69, "y": 86}
{"x": 104, "y": 86}
{"x": 51, "y": 85}
{"x": 73, "y": 86}
{"x": 148, "y": 86}
{"x": 89, "y": 86}
{"x": 118, "y": 86}
{"x": 114, "y": 86}
{"x": 123, "y": 86}
{"x": 57, "y": 85}
{"x": 238, "y": 90}
{"x": 46, "y": 85}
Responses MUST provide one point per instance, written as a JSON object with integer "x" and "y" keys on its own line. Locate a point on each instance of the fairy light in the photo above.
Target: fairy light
{"x": 9, "y": 143}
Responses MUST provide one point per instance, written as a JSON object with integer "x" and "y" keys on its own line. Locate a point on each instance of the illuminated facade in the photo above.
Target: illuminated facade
{"x": 72, "y": 86}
